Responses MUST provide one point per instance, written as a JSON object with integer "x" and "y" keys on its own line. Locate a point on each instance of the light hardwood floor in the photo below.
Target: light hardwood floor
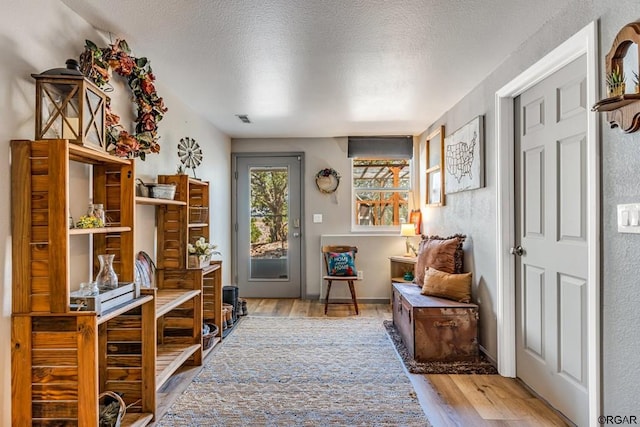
{"x": 447, "y": 400}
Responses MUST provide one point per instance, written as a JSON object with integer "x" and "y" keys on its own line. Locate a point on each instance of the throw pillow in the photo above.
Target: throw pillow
{"x": 455, "y": 287}
{"x": 442, "y": 253}
{"x": 341, "y": 264}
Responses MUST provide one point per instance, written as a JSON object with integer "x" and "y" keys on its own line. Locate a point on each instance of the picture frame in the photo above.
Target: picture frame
{"x": 464, "y": 157}
{"x": 434, "y": 166}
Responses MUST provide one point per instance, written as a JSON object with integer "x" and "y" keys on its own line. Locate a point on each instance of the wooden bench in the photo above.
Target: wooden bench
{"x": 435, "y": 329}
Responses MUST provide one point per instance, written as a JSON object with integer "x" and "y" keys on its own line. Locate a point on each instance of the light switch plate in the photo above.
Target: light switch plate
{"x": 629, "y": 218}
{"x": 317, "y": 218}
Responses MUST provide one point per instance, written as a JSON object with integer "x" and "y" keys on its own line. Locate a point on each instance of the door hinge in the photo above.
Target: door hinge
{"x": 235, "y": 226}
{"x": 235, "y": 175}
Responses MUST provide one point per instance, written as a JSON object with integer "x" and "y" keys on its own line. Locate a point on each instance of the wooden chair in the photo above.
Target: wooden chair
{"x": 330, "y": 279}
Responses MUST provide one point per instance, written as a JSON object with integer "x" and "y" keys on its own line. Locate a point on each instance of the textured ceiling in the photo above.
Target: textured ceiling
{"x": 312, "y": 68}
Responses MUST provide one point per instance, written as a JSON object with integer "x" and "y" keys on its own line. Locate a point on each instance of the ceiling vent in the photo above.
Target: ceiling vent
{"x": 243, "y": 118}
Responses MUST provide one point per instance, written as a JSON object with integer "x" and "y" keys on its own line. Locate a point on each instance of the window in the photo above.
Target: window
{"x": 381, "y": 191}
{"x": 381, "y": 181}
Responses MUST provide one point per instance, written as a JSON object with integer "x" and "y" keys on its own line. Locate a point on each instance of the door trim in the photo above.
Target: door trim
{"x": 583, "y": 42}
{"x": 234, "y": 230}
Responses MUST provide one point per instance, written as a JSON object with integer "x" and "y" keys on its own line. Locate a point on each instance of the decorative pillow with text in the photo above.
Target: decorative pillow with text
{"x": 341, "y": 264}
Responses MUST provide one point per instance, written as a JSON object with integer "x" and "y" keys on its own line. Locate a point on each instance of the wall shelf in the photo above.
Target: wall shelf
{"x": 623, "y": 111}
{"x": 610, "y": 104}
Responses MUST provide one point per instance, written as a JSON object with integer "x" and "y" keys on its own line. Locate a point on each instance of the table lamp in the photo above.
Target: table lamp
{"x": 408, "y": 230}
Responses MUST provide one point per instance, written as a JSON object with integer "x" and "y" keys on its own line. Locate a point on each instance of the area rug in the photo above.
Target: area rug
{"x": 482, "y": 366}
{"x": 300, "y": 372}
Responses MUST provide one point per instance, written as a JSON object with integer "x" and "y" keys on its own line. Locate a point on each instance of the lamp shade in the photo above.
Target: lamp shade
{"x": 407, "y": 230}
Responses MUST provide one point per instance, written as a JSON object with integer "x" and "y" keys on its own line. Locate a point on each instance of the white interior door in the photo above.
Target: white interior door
{"x": 552, "y": 246}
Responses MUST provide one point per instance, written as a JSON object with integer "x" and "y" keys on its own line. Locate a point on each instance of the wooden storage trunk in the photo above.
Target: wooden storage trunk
{"x": 435, "y": 329}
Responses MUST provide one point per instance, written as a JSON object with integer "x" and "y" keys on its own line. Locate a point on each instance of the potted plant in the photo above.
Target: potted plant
{"x": 200, "y": 253}
{"x": 615, "y": 83}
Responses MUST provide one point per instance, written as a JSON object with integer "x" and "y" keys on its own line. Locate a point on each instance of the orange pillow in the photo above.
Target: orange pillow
{"x": 455, "y": 287}
{"x": 444, "y": 254}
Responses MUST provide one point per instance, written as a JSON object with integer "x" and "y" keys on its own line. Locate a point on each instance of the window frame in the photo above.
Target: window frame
{"x": 382, "y": 229}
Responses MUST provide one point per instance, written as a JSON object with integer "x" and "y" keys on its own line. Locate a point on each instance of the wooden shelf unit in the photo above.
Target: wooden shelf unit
{"x": 398, "y": 265}
{"x": 184, "y": 297}
{"x": 69, "y": 356}
{"x": 175, "y": 230}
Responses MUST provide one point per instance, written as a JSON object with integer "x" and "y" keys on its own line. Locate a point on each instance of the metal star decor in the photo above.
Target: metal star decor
{"x": 190, "y": 154}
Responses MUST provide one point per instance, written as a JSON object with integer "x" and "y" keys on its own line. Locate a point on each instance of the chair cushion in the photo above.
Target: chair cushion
{"x": 455, "y": 287}
{"x": 442, "y": 253}
{"x": 341, "y": 264}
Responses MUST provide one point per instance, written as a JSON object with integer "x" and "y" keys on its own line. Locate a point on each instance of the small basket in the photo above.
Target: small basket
{"x": 107, "y": 416}
{"x": 155, "y": 191}
{"x": 198, "y": 214}
{"x": 207, "y": 339}
{"x": 162, "y": 191}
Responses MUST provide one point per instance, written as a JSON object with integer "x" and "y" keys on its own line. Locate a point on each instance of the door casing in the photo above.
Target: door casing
{"x": 583, "y": 42}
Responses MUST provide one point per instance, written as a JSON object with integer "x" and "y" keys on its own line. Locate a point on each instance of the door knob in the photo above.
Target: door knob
{"x": 296, "y": 234}
{"x": 518, "y": 250}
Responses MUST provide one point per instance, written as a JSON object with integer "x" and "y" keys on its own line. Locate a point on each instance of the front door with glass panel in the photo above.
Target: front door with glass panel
{"x": 268, "y": 242}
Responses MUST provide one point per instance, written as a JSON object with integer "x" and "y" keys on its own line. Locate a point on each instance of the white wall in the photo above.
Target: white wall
{"x": 38, "y": 35}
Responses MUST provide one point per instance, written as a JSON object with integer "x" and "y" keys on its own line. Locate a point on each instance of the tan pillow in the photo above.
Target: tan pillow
{"x": 456, "y": 287}
{"x": 442, "y": 253}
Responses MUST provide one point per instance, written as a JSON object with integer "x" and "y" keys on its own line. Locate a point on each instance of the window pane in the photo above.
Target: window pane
{"x": 269, "y": 223}
{"x": 381, "y": 174}
{"x": 381, "y": 190}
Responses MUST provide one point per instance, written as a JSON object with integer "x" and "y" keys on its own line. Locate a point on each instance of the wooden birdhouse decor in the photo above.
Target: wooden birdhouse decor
{"x": 69, "y": 106}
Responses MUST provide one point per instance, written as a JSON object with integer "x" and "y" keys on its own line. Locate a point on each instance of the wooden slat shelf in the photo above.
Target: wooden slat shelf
{"x": 196, "y": 181}
{"x": 103, "y": 230}
{"x": 158, "y": 202}
{"x": 211, "y": 268}
{"x": 123, "y": 309}
{"x": 136, "y": 419}
{"x": 79, "y": 153}
{"x": 169, "y": 358}
{"x": 168, "y": 299}
{"x": 198, "y": 225}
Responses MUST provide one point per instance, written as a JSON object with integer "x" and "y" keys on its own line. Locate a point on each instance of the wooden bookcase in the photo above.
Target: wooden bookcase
{"x": 182, "y": 224}
{"x": 61, "y": 359}
{"x": 184, "y": 297}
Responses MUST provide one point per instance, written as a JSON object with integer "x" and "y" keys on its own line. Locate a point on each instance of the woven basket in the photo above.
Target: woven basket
{"x": 107, "y": 418}
{"x": 207, "y": 339}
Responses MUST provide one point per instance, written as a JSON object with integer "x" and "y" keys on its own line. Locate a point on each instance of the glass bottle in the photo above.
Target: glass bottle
{"x": 107, "y": 279}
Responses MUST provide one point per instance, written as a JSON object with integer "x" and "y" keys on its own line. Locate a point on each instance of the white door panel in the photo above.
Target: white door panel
{"x": 551, "y": 225}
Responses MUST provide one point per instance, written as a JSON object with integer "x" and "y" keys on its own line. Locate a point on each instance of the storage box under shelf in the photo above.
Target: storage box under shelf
{"x": 106, "y": 300}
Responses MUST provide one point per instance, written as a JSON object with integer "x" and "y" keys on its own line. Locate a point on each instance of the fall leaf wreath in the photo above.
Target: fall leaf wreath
{"x": 97, "y": 64}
